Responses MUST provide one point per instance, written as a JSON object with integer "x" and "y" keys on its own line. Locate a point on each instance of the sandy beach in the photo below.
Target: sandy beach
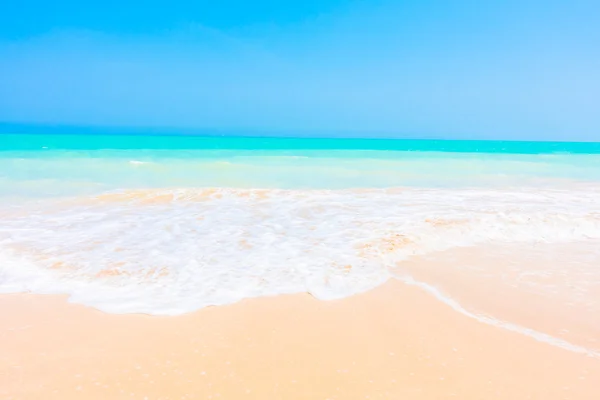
{"x": 300, "y": 200}
{"x": 394, "y": 342}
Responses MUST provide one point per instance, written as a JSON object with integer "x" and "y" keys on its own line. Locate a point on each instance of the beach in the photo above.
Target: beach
{"x": 300, "y": 200}
{"x": 396, "y": 341}
{"x": 196, "y": 272}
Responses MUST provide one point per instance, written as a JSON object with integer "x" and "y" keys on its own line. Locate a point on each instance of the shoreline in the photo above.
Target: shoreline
{"x": 395, "y": 341}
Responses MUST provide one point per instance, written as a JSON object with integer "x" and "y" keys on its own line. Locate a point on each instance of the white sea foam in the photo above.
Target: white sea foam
{"x": 175, "y": 251}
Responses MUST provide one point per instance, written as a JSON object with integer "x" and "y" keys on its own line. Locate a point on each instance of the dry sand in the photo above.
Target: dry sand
{"x": 395, "y": 342}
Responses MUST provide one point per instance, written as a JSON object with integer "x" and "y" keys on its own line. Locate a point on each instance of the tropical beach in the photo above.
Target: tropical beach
{"x": 300, "y": 200}
{"x": 361, "y": 274}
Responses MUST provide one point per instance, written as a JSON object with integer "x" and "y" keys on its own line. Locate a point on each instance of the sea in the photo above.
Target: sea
{"x": 167, "y": 225}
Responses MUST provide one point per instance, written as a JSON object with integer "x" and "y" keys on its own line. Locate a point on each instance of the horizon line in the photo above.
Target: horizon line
{"x": 12, "y": 128}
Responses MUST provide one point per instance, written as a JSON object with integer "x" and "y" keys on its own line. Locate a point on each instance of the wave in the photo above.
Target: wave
{"x": 174, "y": 251}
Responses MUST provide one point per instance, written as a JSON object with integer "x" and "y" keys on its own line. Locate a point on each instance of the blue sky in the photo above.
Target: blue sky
{"x": 454, "y": 69}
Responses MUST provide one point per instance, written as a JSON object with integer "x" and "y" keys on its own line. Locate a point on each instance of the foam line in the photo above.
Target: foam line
{"x": 539, "y": 336}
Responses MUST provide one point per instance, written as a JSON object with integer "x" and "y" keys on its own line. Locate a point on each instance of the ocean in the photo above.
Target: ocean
{"x": 166, "y": 225}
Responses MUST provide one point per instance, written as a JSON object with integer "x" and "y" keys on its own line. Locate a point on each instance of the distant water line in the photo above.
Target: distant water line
{"x": 181, "y": 142}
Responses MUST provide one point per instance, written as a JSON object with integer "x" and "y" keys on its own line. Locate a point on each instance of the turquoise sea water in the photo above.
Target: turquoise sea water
{"x": 56, "y": 165}
{"x": 157, "y": 142}
{"x": 171, "y": 224}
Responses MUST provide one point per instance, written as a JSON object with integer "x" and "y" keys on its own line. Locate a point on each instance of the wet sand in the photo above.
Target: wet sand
{"x": 553, "y": 289}
{"x": 395, "y": 342}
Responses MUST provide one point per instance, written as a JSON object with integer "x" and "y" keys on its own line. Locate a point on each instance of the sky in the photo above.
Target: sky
{"x": 527, "y": 69}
